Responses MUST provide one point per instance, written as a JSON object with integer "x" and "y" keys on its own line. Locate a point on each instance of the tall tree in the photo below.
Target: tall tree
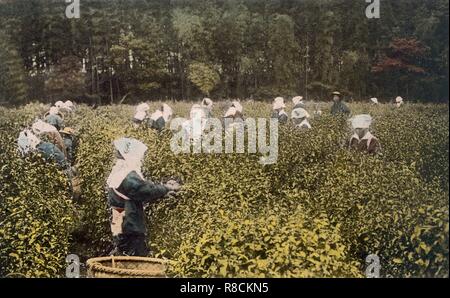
{"x": 13, "y": 88}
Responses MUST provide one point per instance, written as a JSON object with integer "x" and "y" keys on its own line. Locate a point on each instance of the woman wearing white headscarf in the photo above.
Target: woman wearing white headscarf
{"x": 298, "y": 102}
{"x": 362, "y": 140}
{"x": 50, "y": 133}
{"x": 374, "y": 101}
{"x": 398, "y": 101}
{"x": 195, "y": 126}
{"x": 278, "y": 110}
{"x": 29, "y": 142}
{"x": 300, "y": 118}
{"x": 160, "y": 117}
{"x": 234, "y": 115}
{"x": 207, "y": 104}
{"x": 127, "y": 192}
{"x": 140, "y": 113}
{"x": 69, "y": 106}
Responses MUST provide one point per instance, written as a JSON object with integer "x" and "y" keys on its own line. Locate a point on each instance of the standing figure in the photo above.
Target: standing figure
{"x": 128, "y": 191}
{"x": 339, "y": 108}
{"x": 362, "y": 140}
{"x": 68, "y": 136}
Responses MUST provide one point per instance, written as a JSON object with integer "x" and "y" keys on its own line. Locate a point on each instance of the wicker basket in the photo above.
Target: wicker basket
{"x": 126, "y": 267}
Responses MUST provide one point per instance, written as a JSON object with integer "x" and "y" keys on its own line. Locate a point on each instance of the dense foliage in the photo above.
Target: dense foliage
{"x": 251, "y": 48}
{"x": 36, "y": 211}
{"x": 319, "y": 211}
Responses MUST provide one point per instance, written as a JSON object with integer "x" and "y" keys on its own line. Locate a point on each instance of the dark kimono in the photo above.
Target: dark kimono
{"x": 127, "y": 206}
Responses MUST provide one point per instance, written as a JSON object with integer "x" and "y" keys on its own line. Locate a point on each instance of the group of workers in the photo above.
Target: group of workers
{"x": 157, "y": 120}
{"x": 127, "y": 189}
{"x": 361, "y": 140}
{"x": 53, "y": 140}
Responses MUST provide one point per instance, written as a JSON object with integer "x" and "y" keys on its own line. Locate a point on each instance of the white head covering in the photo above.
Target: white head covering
{"x": 361, "y": 121}
{"x": 237, "y": 105}
{"x": 53, "y": 111}
{"x": 144, "y": 107}
{"x": 167, "y": 112}
{"x": 133, "y": 152}
{"x": 69, "y": 105}
{"x": 398, "y": 99}
{"x": 297, "y": 99}
{"x": 40, "y": 127}
{"x": 140, "y": 115}
{"x": 27, "y": 141}
{"x": 279, "y": 99}
{"x": 230, "y": 112}
{"x": 141, "y": 111}
{"x": 374, "y": 100}
{"x": 299, "y": 113}
{"x": 207, "y": 102}
{"x": 59, "y": 104}
{"x": 278, "y": 104}
{"x": 156, "y": 115}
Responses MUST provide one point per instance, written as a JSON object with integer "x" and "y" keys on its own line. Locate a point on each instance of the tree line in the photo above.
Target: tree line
{"x": 125, "y": 51}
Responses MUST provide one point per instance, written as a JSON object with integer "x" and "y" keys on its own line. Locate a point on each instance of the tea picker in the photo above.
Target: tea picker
{"x": 68, "y": 136}
{"x": 140, "y": 113}
{"x": 49, "y": 133}
{"x": 398, "y": 101}
{"x": 279, "y": 113}
{"x": 54, "y": 117}
{"x": 160, "y": 117}
{"x": 374, "y": 101}
{"x": 339, "y": 107}
{"x": 127, "y": 191}
{"x": 234, "y": 115}
{"x": 207, "y": 105}
{"x": 300, "y": 118}
{"x": 29, "y": 142}
{"x": 362, "y": 140}
{"x": 298, "y": 102}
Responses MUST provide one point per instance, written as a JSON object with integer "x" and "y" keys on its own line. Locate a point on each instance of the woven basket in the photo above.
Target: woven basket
{"x": 126, "y": 267}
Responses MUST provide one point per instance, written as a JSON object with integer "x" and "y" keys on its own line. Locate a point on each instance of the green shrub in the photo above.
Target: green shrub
{"x": 36, "y": 211}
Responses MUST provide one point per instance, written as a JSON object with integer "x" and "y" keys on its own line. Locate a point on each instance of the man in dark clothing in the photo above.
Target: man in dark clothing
{"x": 51, "y": 152}
{"x": 68, "y": 136}
{"x": 128, "y": 191}
{"x": 339, "y": 108}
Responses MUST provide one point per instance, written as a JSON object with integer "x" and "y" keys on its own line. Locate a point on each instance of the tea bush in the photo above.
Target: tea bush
{"x": 267, "y": 246}
{"x": 317, "y": 212}
{"x": 36, "y": 212}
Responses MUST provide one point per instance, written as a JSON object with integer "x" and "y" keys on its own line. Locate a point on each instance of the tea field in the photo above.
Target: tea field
{"x": 317, "y": 212}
